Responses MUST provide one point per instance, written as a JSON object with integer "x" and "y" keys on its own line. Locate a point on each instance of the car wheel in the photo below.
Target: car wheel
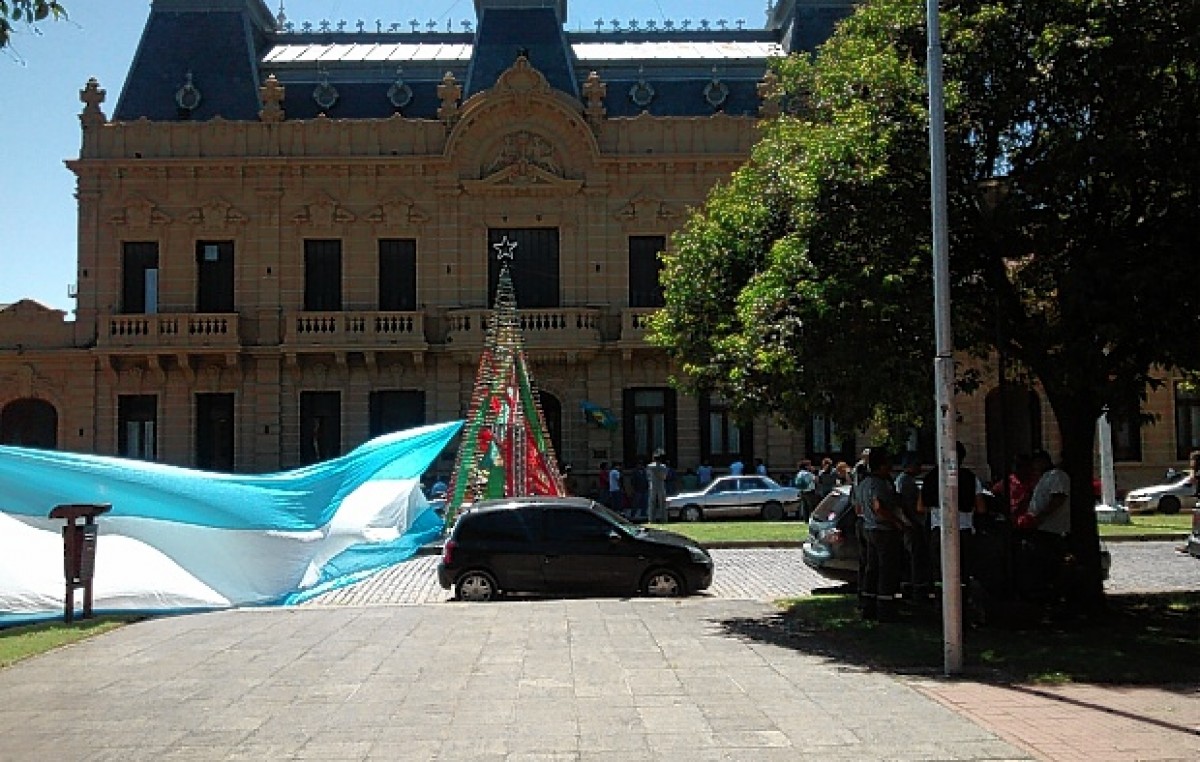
{"x": 475, "y": 586}
{"x": 772, "y": 511}
{"x": 691, "y": 513}
{"x": 1169, "y": 505}
{"x": 663, "y": 583}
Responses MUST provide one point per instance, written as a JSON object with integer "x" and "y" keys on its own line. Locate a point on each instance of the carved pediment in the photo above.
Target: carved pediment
{"x": 397, "y": 211}
{"x": 216, "y": 213}
{"x": 323, "y": 212}
{"x": 140, "y": 213}
{"x": 524, "y": 147}
{"x": 521, "y": 79}
{"x": 31, "y": 309}
{"x": 524, "y": 178}
{"x": 646, "y": 210}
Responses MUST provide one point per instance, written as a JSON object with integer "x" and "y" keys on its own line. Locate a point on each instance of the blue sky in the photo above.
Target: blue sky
{"x": 41, "y": 75}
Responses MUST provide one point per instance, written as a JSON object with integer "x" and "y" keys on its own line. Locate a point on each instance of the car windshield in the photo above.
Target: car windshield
{"x": 617, "y": 518}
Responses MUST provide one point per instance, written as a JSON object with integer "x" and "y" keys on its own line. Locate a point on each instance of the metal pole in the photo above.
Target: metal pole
{"x": 943, "y": 364}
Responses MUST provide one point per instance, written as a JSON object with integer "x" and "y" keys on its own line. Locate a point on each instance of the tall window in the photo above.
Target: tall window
{"x": 214, "y": 276}
{"x": 534, "y": 266}
{"x": 650, "y": 423}
{"x": 397, "y": 275}
{"x": 552, "y": 411}
{"x": 323, "y": 275}
{"x": 137, "y": 426}
{"x": 645, "y": 290}
{"x": 320, "y": 426}
{"x": 826, "y": 440}
{"x": 396, "y": 410}
{"x": 722, "y": 439}
{"x": 1126, "y": 435}
{"x": 1187, "y": 421}
{"x": 214, "y": 432}
{"x": 139, "y": 277}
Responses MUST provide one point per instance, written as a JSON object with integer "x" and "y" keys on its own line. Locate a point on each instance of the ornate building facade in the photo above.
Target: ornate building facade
{"x": 286, "y": 236}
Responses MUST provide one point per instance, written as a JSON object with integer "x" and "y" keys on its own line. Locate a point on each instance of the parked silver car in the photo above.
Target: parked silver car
{"x": 1175, "y": 495}
{"x": 736, "y": 496}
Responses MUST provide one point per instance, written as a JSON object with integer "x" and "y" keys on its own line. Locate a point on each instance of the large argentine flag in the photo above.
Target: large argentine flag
{"x": 179, "y": 539}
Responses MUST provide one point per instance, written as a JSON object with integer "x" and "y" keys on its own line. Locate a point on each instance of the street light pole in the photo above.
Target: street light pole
{"x": 943, "y": 364}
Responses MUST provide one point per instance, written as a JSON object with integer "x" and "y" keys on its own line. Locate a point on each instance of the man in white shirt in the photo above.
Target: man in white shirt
{"x": 736, "y": 468}
{"x": 1050, "y": 506}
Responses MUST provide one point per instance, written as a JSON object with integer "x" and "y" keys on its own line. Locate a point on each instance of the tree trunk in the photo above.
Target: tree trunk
{"x": 1077, "y": 427}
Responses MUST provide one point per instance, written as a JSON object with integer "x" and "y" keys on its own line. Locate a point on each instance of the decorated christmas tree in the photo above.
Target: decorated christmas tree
{"x": 505, "y": 450}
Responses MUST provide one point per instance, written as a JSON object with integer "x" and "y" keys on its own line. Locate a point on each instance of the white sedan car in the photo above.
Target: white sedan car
{"x": 1177, "y": 494}
{"x": 736, "y": 496}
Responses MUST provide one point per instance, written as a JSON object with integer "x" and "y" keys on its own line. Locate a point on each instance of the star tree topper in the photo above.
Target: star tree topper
{"x": 505, "y": 249}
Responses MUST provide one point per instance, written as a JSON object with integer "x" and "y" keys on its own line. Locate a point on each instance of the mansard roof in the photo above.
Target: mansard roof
{"x": 199, "y": 60}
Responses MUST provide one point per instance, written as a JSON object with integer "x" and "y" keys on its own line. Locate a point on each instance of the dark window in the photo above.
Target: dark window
{"x": 1187, "y": 421}
{"x": 1126, "y": 436}
{"x": 397, "y": 275}
{"x": 137, "y": 426}
{"x": 826, "y": 440}
{"x": 574, "y": 525}
{"x": 323, "y": 275}
{"x": 645, "y": 290}
{"x": 320, "y": 426}
{"x": 722, "y": 439}
{"x": 534, "y": 265}
{"x": 396, "y": 410}
{"x": 497, "y": 526}
{"x": 214, "y": 431}
{"x": 29, "y": 423}
{"x": 1013, "y": 419}
{"x": 552, "y": 412}
{"x": 650, "y": 423}
{"x": 139, "y": 277}
{"x": 214, "y": 276}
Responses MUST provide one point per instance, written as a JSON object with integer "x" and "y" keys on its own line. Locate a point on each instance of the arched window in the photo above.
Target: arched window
{"x": 29, "y": 423}
{"x": 552, "y": 411}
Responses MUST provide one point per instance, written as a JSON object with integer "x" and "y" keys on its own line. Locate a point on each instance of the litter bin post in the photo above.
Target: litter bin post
{"x": 79, "y": 552}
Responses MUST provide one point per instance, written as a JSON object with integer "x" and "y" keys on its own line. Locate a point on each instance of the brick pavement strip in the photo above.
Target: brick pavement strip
{"x": 765, "y": 574}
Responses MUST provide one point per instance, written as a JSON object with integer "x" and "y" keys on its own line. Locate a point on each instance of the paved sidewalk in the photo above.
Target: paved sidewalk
{"x": 619, "y": 680}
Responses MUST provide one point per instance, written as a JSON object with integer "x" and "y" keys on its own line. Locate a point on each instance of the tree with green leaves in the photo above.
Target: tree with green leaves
{"x": 1073, "y": 141}
{"x": 28, "y": 12}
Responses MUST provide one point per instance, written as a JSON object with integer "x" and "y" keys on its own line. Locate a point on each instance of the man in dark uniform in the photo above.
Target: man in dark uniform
{"x": 884, "y": 524}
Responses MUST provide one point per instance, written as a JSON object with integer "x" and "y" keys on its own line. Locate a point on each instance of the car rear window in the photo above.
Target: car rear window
{"x": 831, "y": 506}
{"x": 505, "y": 526}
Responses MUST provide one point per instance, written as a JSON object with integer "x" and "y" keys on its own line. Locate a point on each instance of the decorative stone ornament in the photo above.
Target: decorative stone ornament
{"x": 188, "y": 97}
{"x": 271, "y": 95}
{"x": 449, "y": 91}
{"x": 594, "y": 91}
{"x": 716, "y": 92}
{"x": 325, "y": 94}
{"x": 769, "y": 93}
{"x": 400, "y": 94}
{"x": 642, "y": 92}
{"x": 91, "y": 96}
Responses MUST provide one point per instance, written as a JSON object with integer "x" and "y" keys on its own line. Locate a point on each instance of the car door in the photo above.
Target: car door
{"x": 723, "y": 499}
{"x": 505, "y": 542}
{"x": 583, "y": 552}
{"x": 752, "y": 493}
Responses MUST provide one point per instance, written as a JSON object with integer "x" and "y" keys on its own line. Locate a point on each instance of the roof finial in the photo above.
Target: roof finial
{"x": 281, "y": 17}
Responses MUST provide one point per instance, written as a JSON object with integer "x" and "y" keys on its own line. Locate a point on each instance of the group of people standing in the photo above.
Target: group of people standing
{"x": 899, "y": 522}
{"x": 639, "y": 493}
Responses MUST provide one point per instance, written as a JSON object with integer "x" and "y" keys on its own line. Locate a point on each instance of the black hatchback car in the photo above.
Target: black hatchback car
{"x": 565, "y": 546}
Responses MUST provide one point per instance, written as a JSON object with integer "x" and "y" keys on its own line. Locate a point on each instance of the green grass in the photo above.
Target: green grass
{"x": 739, "y": 531}
{"x": 17, "y": 643}
{"x": 711, "y": 532}
{"x": 1142, "y": 639}
{"x": 1150, "y": 524}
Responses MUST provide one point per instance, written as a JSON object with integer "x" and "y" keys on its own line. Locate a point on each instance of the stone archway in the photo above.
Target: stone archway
{"x": 29, "y": 423}
{"x": 1013, "y": 418}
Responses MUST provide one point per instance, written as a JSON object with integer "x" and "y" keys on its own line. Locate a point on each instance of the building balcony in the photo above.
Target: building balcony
{"x": 175, "y": 331}
{"x": 570, "y": 330}
{"x": 634, "y": 324}
{"x": 355, "y": 330}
